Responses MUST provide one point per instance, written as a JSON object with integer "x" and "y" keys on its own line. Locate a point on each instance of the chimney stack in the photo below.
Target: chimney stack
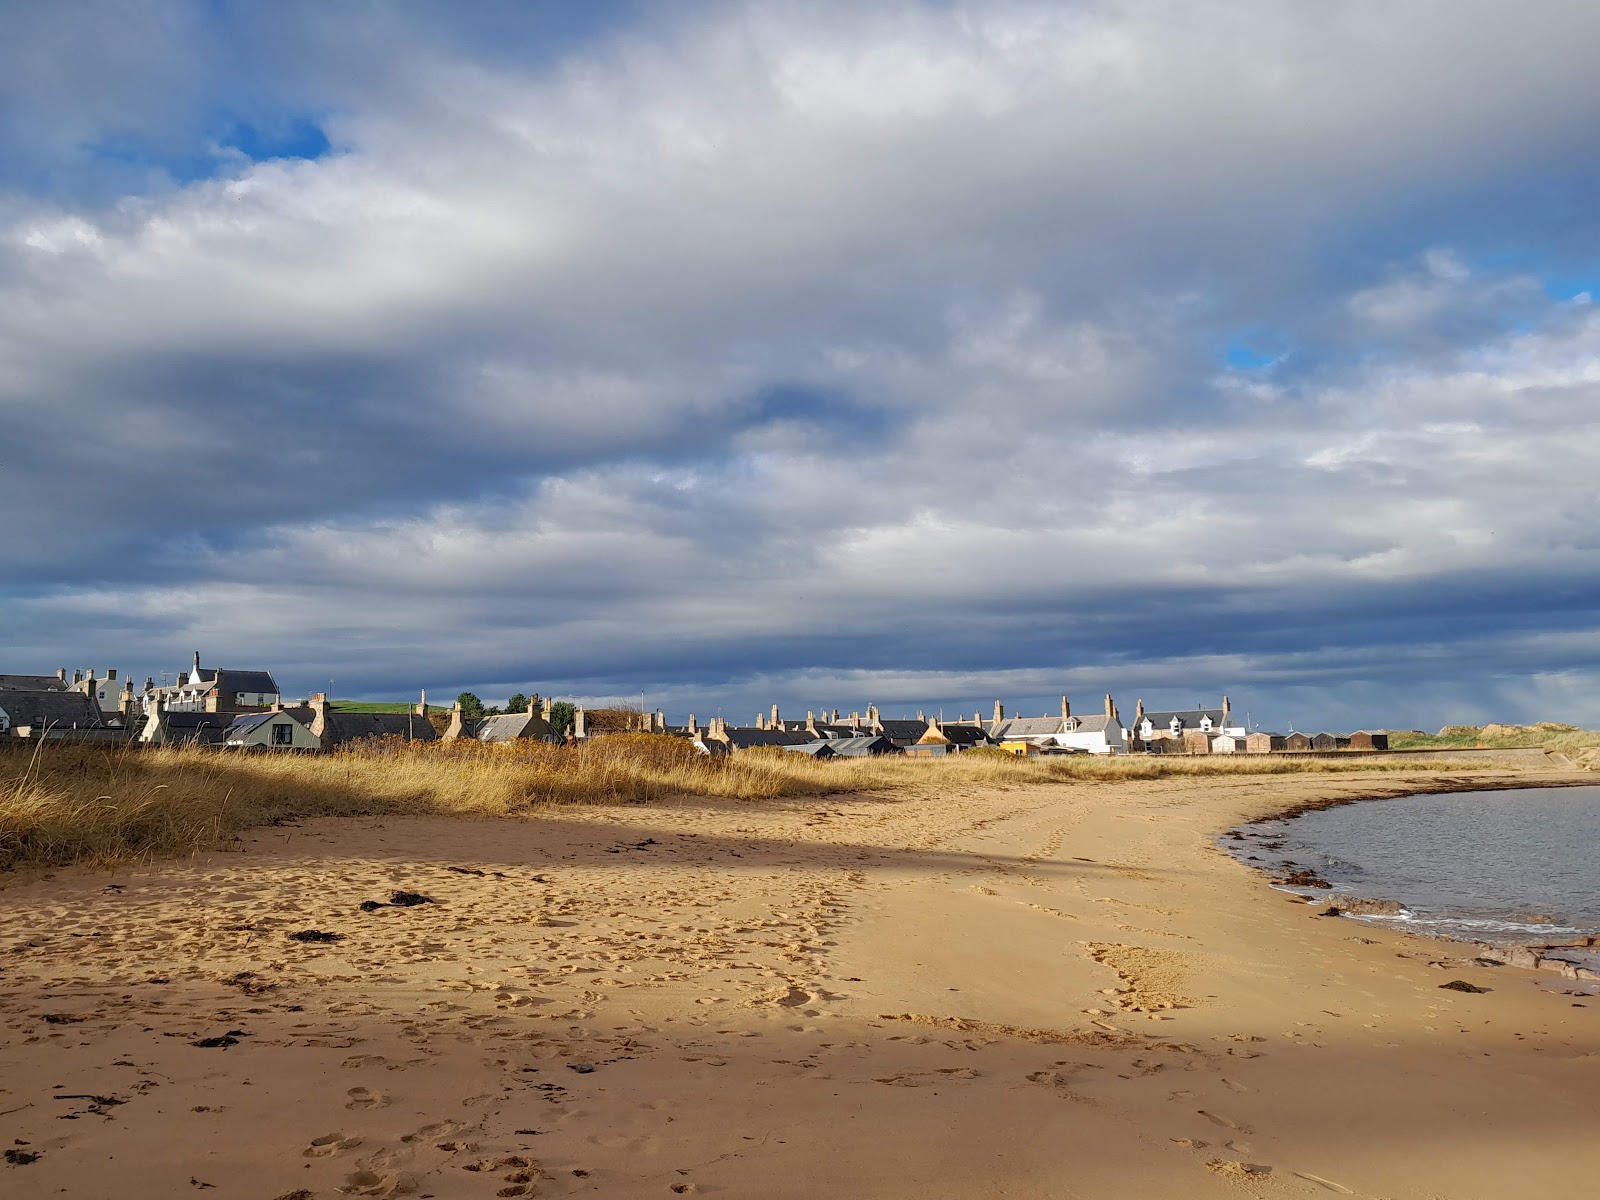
{"x": 1066, "y": 709}
{"x": 661, "y": 720}
{"x": 999, "y": 712}
{"x": 1111, "y": 708}
{"x": 694, "y": 730}
{"x": 319, "y": 716}
{"x": 77, "y": 678}
{"x": 126, "y": 705}
{"x": 1226, "y": 709}
{"x": 547, "y": 709}
{"x": 456, "y": 727}
{"x": 111, "y": 675}
{"x": 61, "y": 674}
{"x": 777, "y": 722}
{"x": 578, "y": 722}
{"x": 422, "y": 705}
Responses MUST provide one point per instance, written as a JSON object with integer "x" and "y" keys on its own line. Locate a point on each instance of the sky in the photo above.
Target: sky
{"x": 919, "y": 354}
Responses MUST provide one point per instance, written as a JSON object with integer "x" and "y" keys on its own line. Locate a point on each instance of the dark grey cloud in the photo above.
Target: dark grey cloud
{"x": 770, "y": 350}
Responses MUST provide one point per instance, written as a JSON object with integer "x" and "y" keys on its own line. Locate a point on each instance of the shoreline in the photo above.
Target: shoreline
{"x": 1384, "y": 912}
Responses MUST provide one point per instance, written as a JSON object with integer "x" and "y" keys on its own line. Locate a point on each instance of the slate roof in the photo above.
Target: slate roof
{"x": 508, "y": 727}
{"x": 1025, "y": 727}
{"x": 965, "y": 735}
{"x": 903, "y": 730}
{"x": 342, "y": 727}
{"x": 1190, "y": 717}
{"x": 246, "y": 681}
{"x": 206, "y": 728}
{"x": 49, "y": 706}
{"x": 744, "y": 739}
{"x": 815, "y": 749}
{"x": 247, "y": 722}
{"x": 32, "y": 683}
{"x": 857, "y": 747}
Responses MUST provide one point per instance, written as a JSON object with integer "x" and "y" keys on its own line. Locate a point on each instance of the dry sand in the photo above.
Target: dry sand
{"x": 1060, "y": 991}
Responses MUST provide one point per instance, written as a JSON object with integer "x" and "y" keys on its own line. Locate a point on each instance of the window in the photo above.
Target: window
{"x": 283, "y": 734}
{"x": 1205, "y": 723}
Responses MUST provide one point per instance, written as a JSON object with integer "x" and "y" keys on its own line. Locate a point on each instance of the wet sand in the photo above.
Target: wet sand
{"x": 1062, "y": 991}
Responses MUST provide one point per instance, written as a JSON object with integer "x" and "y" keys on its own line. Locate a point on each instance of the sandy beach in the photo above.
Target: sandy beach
{"x": 1048, "y": 991}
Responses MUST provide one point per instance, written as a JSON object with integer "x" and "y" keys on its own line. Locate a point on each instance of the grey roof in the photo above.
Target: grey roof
{"x": 903, "y": 730}
{"x": 814, "y": 749}
{"x": 201, "y": 727}
{"x": 245, "y": 722}
{"x": 1190, "y": 717}
{"x": 353, "y": 727}
{"x": 246, "y": 681}
{"x": 1026, "y": 727}
{"x": 744, "y": 739}
{"x": 965, "y": 735}
{"x": 32, "y": 683}
{"x": 48, "y": 706}
{"x": 857, "y": 747}
{"x": 508, "y": 727}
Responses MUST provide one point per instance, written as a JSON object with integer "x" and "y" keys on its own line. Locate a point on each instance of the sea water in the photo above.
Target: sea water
{"x": 1507, "y": 867}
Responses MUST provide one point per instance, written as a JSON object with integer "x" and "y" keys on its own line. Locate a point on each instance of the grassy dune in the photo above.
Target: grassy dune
{"x": 65, "y": 803}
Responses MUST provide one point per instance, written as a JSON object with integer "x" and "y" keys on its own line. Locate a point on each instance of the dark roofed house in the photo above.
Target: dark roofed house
{"x": 334, "y": 729}
{"x": 216, "y": 689}
{"x": 35, "y": 683}
{"x": 532, "y": 725}
{"x": 42, "y": 709}
{"x": 275, "y": 729}
{"x": 163, "y": 728}
{"x": 746, "y": 739}
{"x": 862, "y": 747}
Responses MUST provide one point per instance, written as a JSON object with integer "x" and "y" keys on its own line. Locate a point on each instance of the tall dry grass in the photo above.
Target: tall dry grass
{"x": 62, "y": 803}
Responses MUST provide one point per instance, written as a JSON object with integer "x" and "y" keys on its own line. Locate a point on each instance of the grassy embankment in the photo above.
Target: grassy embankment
{"x": 67, "y": 803}
{"x": 1582, "y": 746}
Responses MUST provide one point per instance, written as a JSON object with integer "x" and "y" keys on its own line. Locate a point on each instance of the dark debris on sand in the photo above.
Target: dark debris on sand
{"x": 1461, "y": 985}
{"x": 316, "y": 935}
{"x": 21, "y": 1158}
{"x": 231, "y": 1038}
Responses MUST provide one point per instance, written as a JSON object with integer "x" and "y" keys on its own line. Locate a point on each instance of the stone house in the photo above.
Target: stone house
{"x": 215, "y": 689}
{"x": 276, "y": 729}
{"x": 32, "y": 712}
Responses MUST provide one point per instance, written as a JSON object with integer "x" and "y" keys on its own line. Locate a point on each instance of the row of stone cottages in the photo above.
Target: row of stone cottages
{"x": 244, "y": 708}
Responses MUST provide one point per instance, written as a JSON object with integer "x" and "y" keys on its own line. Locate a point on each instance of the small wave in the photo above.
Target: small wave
{"x": 1481, "y": 924}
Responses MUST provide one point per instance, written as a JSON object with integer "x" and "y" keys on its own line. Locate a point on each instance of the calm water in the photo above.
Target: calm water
{"x": 1507, "y": 867}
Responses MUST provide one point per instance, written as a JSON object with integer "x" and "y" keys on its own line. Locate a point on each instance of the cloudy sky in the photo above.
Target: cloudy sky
{"x": 915, "y": 353}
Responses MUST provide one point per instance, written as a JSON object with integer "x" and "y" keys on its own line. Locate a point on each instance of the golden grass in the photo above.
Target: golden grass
{"x": 62, "y": 802}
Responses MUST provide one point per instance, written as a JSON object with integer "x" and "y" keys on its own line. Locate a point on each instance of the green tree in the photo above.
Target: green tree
{"x": 517, "y": 703}
{"x": 562, "y": 716}
{"x": 471, "y": 706}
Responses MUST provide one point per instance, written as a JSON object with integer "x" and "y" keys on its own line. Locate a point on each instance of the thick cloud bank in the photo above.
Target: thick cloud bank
{"x": 822, "y": 353}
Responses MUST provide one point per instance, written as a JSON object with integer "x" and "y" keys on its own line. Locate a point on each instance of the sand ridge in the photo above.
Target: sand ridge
{"x": 1051, "y": 991}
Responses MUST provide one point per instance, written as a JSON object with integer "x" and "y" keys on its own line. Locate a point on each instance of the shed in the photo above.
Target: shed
{"x": 1263, "y": 743}
{"x": 1296, "y": 741}
{"x": 1367, "y": 740}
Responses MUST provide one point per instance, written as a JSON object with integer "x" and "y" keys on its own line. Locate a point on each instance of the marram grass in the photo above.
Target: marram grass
{"x": 64, "y": 803}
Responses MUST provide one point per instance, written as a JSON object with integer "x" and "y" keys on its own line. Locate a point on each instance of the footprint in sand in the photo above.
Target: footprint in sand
{"x": 370, "y": 1183}
{"x": 1236, "y": 1126}
{"x": 362, "y": 1097}
{"x": 330, "y": 1143}
{"x": 439, "y": 1129}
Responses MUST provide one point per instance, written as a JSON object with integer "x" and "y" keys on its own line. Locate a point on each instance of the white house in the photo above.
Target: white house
{"x": 1101, "y": 733}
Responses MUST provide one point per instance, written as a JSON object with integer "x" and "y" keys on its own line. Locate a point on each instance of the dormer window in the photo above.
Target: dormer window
{"x": 1177, "y": 725}
{"x": 1205, "y": 723}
